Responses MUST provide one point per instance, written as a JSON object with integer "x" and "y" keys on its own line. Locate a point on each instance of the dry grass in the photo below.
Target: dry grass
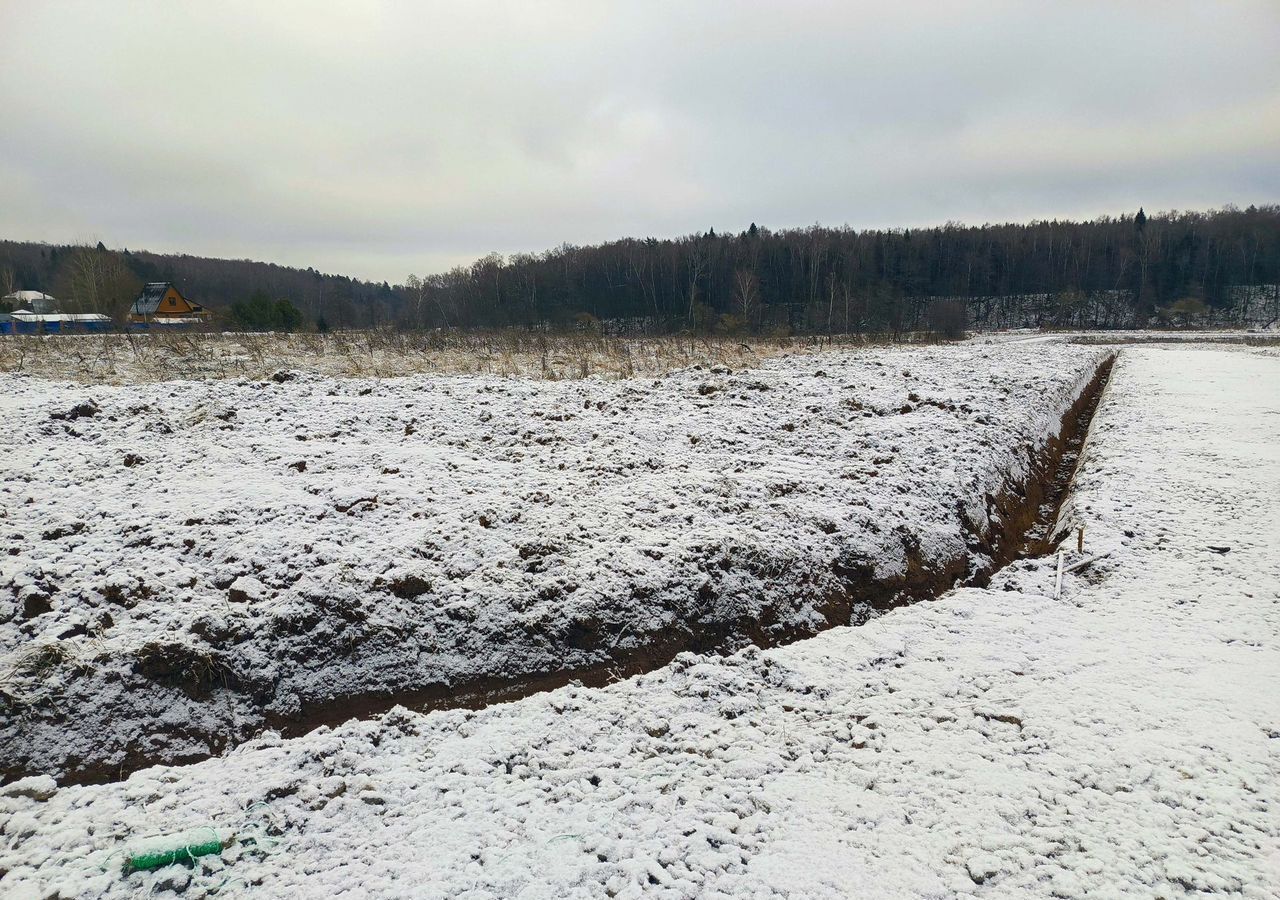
{"x": 32, "y": 674}
{"x": 131, "y": 358}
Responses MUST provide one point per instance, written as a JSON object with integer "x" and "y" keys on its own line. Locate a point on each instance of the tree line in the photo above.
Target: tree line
{"x": 1126, "y": 271}
{"x": 1218, "y": 266}
{"x": 244, "y": 294}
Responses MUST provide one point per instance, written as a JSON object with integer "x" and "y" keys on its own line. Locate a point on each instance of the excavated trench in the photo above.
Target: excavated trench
{"x": 1024, "y": 514}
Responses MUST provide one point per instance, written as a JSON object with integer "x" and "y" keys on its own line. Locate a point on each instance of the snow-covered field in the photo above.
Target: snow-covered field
{"x": 192, "y": 560}
{"x": 1123, "y": 740}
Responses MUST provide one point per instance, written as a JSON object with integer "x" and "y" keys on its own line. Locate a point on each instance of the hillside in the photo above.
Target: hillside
{"x": 1219, "y": 267}
{"x": 105, "y": 280}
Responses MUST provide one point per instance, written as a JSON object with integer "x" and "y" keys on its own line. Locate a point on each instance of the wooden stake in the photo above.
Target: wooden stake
{"x": 1080, "y": 540}
{"x": 1057, "y": 589}
{"x": 1084, "y": 563}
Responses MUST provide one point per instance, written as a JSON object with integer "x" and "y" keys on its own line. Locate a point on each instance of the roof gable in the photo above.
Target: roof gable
{"x": 36, "y": 300}
{"x": 152, "y": 293}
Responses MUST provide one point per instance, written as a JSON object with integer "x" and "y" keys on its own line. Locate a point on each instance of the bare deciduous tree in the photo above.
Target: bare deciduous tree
{"x": 95, "y": 279}
{"x": 746, "y": 296}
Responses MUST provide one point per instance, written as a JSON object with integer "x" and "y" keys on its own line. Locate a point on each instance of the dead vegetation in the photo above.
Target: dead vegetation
{"x": 33, "y": 674}
{"x": 132, "y": 358}
{"x": 179, "y": 665}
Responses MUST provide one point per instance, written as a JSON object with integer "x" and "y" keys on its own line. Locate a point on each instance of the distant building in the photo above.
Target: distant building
{"x": 35, "y": 301}
{"x": 25, "y": 321}
{"x": 160, "y": 303}
{"x": 41, "y": 316}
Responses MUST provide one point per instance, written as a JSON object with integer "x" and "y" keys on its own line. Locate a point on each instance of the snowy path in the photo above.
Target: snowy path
{"x": 1124, "y": 741}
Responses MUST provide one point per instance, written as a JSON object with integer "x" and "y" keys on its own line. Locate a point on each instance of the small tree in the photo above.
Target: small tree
{"x": 746, "y": 296}
{"x": 1069, "y": 304}
{"x": 588, "y": 323}
{"x": 288, "y": 315}
{"x": 261, "y": 313}
{"x": 96, "y": 280}
{"x": 1187, "y": 308}
{"x": 703, "y": 318}
{"x": 728, "y": 323}
{"x": 947, "y": 318}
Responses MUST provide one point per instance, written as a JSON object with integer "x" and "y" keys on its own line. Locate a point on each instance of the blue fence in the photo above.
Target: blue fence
{"x": 16, "y": 327}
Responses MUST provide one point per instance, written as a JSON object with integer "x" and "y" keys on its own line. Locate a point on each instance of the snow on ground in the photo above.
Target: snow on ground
{"x": 189, "y": 560}
{"x": 1257, "y": 337}
{"x": 1121, "y": 741}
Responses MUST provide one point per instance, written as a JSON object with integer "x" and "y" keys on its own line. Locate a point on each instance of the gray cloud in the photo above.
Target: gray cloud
{"x": 383, "y": 138}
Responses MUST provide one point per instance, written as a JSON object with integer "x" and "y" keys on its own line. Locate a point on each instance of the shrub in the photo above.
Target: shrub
{"x": 947, "y": 318}
{"x": 261, "y": 313}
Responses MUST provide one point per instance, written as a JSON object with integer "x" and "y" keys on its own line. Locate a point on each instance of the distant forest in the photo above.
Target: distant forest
{"x": 1220, "y": 267}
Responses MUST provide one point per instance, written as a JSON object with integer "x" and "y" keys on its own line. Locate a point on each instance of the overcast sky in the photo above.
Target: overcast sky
{"x": 379, "y": 139}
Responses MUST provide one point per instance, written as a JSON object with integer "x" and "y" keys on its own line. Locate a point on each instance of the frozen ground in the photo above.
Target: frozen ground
{"x": 191, "y": 561}
{"x": 1120, "y": 741}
